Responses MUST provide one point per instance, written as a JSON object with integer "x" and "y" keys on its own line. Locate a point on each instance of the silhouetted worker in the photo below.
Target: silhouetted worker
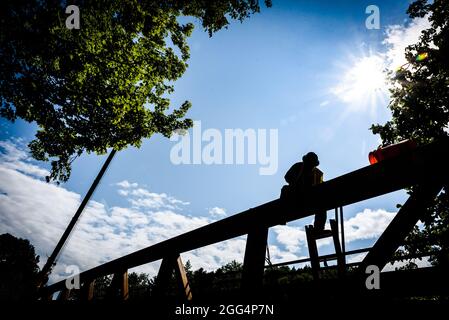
{"x": 303, "y": 175}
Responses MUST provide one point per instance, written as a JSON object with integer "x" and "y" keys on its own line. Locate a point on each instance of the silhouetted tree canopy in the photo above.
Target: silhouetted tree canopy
{"x": 18, "y": 269}
{"x": 420, "y": 111}
{"x": 106, "y": 84}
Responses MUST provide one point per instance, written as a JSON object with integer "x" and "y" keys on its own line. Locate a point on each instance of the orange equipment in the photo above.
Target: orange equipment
{"x": 391, "y": 151}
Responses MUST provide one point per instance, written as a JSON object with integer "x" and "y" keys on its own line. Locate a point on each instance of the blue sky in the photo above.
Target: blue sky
{"x": 306, "y": 68}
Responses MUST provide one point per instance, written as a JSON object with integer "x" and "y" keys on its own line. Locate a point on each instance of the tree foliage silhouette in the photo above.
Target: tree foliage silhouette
{"x": 106, "y": 84}
{"x": 420, "y": 111}
{"x": 18, "y": 269}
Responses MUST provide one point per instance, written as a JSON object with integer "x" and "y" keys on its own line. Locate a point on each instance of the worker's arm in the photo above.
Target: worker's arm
{"x": 293, "y": 174}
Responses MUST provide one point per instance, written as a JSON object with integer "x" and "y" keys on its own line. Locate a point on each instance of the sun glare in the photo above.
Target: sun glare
{"x": 363, "y": 84}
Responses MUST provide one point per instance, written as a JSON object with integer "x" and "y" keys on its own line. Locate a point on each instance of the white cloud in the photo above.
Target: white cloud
{"x": 356, "y": 257}
{"x": 291, "y": 237}
{"x": 368, "y": 224}
{"x": 17, "y": 159}
{"x": 278, "y": 255}
{"x": 399, "y": 37}
{"x": 143, "y": 198}
{"x": 217, "y": 212}
{"x": 217, "y": 255}
{"x": 324, "y": 103}
{"x": 123, "y": 192}
{"x": 126, "y": 184}
{"x": 421, "y": 263}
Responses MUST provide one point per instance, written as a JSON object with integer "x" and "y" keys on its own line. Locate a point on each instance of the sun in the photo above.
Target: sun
{"x": 362, "y": 84}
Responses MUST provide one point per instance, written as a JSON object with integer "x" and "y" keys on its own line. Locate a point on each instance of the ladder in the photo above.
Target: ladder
{"x": 312, "y": 237}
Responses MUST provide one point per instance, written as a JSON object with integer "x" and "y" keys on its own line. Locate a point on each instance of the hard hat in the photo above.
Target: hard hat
{"x": 311, "y": 158}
